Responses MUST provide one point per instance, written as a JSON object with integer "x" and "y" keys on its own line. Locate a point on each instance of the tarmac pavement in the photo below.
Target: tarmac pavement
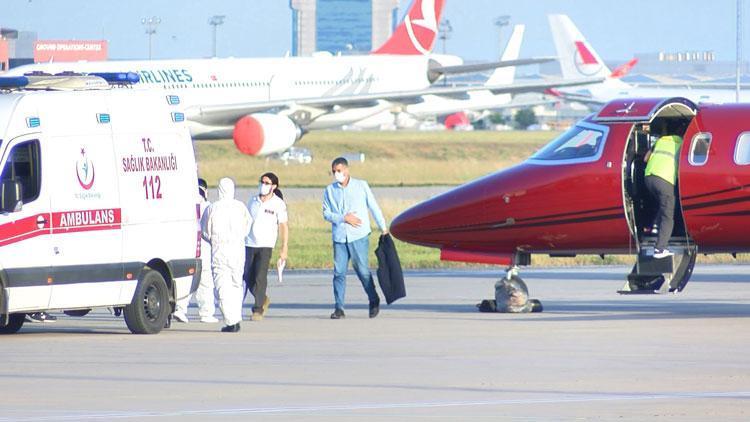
{"x": 591, "y": 355}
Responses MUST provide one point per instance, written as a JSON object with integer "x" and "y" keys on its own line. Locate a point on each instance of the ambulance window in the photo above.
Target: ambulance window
{"x": 581, "y": 143}
{"x": 699, "y": 149}
{"x": 742, "y": 150}
{"x": 23, "y": 165}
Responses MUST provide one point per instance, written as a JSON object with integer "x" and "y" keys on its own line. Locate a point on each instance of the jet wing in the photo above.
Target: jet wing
{"x": 228, "y": 114}
{"x": 578, "y": 98}
{"x": 481, "y": 67}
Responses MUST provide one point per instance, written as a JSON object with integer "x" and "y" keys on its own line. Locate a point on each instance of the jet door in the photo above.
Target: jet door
{"x": 650, "y": 119}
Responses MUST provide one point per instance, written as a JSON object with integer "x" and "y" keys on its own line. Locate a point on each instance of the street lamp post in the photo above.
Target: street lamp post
{"x": 150, "y": 24}
{"x": 445, "y": 29}
{"x": 215, "y": 21}
{"x": 500, "y": 22}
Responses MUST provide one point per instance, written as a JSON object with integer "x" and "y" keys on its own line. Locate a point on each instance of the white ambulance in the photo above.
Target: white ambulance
{"x": 98, "y": 198}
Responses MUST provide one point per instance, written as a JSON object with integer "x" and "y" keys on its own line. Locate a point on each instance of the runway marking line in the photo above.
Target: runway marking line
{"x": 387, "y": 406}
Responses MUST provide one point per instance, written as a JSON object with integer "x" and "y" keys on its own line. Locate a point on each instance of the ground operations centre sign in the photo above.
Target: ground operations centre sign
{"x": 69, "y": 51}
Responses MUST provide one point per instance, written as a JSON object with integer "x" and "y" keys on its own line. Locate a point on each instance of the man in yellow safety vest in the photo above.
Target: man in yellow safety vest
{"x": 661, "y": 179}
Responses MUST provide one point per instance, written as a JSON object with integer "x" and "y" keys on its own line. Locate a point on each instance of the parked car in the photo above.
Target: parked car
{"x": 295, "y": 154}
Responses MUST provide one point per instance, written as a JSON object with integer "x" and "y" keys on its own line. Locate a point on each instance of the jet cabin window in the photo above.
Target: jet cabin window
{"x": 580, "y": 144}
{"x": 699, "y": 149}
{"x": 742, "y": 150}
{"x": 23, "y": 166}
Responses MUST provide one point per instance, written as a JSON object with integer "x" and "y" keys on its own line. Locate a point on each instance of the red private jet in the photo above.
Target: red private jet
{"x": 584, "y": 193}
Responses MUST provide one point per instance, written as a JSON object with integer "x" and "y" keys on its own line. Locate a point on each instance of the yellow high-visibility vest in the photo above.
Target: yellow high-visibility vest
{"x": 663, "y": 159}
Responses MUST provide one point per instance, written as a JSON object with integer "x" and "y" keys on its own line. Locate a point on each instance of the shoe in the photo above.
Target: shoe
{"x": 257, "y": 316}
{"x": 266, "y": 304}
{"x": 338, "y": 314}
{"x": 374, "y": 309}
{"x": 231, "y": 328}
{"x": 180, "y": 316}
{"x": 662, "y": 253}
{"x": 40, "y": 317}
{"x": 209, "y": 319}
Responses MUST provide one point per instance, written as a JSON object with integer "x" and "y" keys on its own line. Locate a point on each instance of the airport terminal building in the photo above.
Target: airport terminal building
{"x": 341, "y": 26}
{"x": 22, "y": 47}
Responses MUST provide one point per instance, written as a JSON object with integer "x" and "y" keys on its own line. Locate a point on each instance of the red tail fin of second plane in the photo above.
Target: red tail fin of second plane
{"x": 624, "y": 69}
{"x": 417, "y": 33}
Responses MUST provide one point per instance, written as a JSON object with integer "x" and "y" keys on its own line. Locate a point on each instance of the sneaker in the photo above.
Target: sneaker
{"x": 257, "y": 316}
{"x": 209, "y": 319}
{"x": 180, "y": 316}
{"x": 338, "y": 314}
{"x": 374, "y": 309}
{"x": 231, "y": 328}
{"x": 662, "y": 253}
{"x": 40, "y": 317}
{"x": 266, "y": 304}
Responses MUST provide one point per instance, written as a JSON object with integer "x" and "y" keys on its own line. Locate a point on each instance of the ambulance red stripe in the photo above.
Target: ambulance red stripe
{"x": 61, "y": 222}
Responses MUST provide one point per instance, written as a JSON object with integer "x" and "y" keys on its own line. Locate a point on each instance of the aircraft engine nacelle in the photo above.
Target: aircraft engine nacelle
{"x": 265, "y": 133}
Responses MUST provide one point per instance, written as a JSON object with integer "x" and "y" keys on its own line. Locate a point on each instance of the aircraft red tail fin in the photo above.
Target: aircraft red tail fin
{"x": 624, "y": 69}
{"x": 417, "y": 33}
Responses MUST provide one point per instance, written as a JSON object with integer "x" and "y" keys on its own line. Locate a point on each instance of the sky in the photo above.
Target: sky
{"x": 261, "y": 28}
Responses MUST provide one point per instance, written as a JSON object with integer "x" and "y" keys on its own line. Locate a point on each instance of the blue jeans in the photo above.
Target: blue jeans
{"x": 357, "y": 251}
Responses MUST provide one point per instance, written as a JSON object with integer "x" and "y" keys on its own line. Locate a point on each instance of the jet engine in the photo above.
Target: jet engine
{"x": 265, "y": 133}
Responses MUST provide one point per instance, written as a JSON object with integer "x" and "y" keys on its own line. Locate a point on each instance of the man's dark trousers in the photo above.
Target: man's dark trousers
{"x": 664, "y": 193}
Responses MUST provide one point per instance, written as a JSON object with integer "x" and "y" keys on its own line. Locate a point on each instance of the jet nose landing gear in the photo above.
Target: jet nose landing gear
{"x": 511, "y": 296}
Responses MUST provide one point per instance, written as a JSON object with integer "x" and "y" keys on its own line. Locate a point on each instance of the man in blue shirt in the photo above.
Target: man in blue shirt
{"x": 345, "y": 205}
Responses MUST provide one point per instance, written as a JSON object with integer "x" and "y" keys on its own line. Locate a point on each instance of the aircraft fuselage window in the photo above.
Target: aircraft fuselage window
{"x": 742, "y": 149}
{"x": 577, "y": 144}
{"x": 23, "y": 165}
{"x": 699, "y": 148}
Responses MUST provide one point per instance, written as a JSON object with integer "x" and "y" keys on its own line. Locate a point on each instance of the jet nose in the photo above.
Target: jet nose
{"x": 441, "y": 220}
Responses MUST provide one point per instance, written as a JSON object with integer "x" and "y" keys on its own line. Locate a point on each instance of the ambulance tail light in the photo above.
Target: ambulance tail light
{"x": 264, "y": 133}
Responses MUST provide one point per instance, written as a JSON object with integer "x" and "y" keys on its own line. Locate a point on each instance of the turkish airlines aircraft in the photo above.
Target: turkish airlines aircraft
{"x": 266, "y": 104}
{"x": 436, "y": 105}
{"x": 578, "y": 59}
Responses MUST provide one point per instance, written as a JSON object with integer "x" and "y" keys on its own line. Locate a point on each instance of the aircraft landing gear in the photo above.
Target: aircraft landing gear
{"x": 511, "y": 296}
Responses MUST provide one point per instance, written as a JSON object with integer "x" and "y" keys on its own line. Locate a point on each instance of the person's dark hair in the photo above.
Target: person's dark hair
{"x": 203, "y": 188}
{"x": 275, "y": 180}
{"x": 339, "y": 160}
{"x": 677, "y": 127}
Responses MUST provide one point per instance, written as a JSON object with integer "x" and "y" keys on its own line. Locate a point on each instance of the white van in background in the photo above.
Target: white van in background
{"x": 98, "y": 198}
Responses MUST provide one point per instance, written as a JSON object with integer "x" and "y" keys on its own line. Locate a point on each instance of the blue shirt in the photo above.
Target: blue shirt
{"x": 356, "y": 198}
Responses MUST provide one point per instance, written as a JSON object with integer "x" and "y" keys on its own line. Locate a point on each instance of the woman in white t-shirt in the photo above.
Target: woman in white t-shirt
{"x": 269, "y": 214}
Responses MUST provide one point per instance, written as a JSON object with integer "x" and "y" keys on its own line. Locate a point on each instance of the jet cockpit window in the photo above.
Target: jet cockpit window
{"x": 580, "y": 144}
{"x": 742, "y": 150}
{"x": 699, "y": 149}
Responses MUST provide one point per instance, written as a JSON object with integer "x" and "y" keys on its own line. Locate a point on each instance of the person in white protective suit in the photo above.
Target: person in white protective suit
{"x": 204, "y": 296}
{"x": 225, "y": 225}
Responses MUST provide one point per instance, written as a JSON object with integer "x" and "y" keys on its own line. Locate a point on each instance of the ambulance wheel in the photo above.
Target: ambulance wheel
{"x": 15, "y": 322}
{"x": 149, "y": 310}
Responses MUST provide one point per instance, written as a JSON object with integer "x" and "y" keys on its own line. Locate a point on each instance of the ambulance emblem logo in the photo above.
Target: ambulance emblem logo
{"x": 85, "y": 170}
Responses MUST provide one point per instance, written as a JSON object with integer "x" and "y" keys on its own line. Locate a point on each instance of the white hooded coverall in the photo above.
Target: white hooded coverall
{"x": 204, "y": 295}
{"x": 225, "y": 225}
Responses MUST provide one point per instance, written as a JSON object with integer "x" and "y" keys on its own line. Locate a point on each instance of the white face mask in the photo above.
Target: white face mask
{"x": 264, "y": 189}
{"x": 339, "y": 176}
